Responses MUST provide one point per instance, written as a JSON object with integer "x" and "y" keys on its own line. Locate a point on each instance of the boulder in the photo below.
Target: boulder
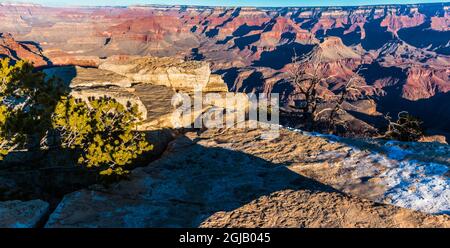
{"x": 19, "y": 214}
{"x": 434, "y": 138}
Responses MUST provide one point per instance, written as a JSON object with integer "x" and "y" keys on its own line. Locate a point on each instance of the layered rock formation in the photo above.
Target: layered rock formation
{"x": 237, "y": 178}
{"x": 403, "y": 49}
{"x": 75, "y": 77}
{"x": 15, "y": 50}
{"x": 332, "y": 49}
{"x": 148, "y": 82}
{"x": 170, "y": 72}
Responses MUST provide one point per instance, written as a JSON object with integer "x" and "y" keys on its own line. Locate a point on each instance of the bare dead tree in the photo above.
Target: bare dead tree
{"x": 306, "y": 75}
{"x": 352, "y": 87}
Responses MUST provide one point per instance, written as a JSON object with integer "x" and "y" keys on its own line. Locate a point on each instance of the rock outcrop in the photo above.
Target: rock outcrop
{"x": 288, "y": 208}
{"x": 15, "y": 50}
{"x": 424, "y": 83}
{"x": 148, "y": 82}
{"x": 123, "y": 96}
{"x": 18, "y": 214}
{"x": 434, "y": 138}
{"x": 76, "y": 77}
{"x": 171, "y": 72}
{"x": 237, "y": 179}
{"x": 332, "y": 49}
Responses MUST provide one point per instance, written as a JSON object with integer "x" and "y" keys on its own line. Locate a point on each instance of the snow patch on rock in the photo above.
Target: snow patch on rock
{"x": 418, "y": 185}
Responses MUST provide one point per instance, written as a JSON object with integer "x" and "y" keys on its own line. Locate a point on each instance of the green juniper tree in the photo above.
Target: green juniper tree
{"x": 32, "y": 109}
{"x": 103, "y": 130}
{"x": 27, "y": 102}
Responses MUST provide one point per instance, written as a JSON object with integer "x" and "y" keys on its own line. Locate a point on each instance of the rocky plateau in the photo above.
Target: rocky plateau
{"x": 235, "y": 177}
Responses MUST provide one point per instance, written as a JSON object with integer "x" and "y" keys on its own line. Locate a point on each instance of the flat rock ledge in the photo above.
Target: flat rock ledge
{"x": 303, "y": 208}
{"x": 205, "y": 181}
{"x": 22, "y": 214}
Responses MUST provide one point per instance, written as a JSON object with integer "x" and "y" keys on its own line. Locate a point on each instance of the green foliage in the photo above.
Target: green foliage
{"x": 27, "y": 101}
{"x": 104, "y": 131}
{"x": 33, "y": 108}
{"x": 406, "y": 128}
{"x": 6, "y": 142}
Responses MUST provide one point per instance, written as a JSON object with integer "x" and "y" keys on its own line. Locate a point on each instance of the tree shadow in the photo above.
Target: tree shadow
{"x": 51, "y": 174}
{"x": 64, "y": 73}
{"x": 377, "y": 121}
{"x": 39, "y": 47}
{"x": 45, "y": 174}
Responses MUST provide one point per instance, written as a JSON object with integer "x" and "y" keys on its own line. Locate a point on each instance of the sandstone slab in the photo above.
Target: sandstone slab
{"x": 410, "y": 175}
{"x": 298, "y": 209}
{"x": 227, "y": 178}
{"x": 19, "y": 214}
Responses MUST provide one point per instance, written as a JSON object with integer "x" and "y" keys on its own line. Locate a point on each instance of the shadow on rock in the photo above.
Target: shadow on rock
{"x": 181, "y": 189}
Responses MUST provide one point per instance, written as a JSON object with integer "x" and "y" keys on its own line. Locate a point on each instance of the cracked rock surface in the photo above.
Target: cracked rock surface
{"x": 234, "y": 178}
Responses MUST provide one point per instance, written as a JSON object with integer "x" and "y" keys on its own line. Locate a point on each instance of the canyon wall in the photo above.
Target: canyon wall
{"x": 401, "y": 51}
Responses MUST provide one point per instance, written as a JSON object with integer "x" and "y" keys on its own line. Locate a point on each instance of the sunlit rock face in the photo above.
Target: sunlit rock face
{"x": 171, "y": 72}
{"x": 150, "y": 83}
{"x": 15, "y": 50}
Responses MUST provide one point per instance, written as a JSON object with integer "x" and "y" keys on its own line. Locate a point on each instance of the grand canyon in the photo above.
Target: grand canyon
{"x": 145, "y": 53}
{"x": 403, "y": 49}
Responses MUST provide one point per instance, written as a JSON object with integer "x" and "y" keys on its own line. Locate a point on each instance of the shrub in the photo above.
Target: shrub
{"x": 103, "y": 130}
{"x": 406, "y": 128}
{"x": 33, "y": 109}
{"x": 27, "y": 101}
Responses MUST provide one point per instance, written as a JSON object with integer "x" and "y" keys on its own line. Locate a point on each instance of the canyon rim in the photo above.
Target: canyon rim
{"x": 308, "y": 116}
